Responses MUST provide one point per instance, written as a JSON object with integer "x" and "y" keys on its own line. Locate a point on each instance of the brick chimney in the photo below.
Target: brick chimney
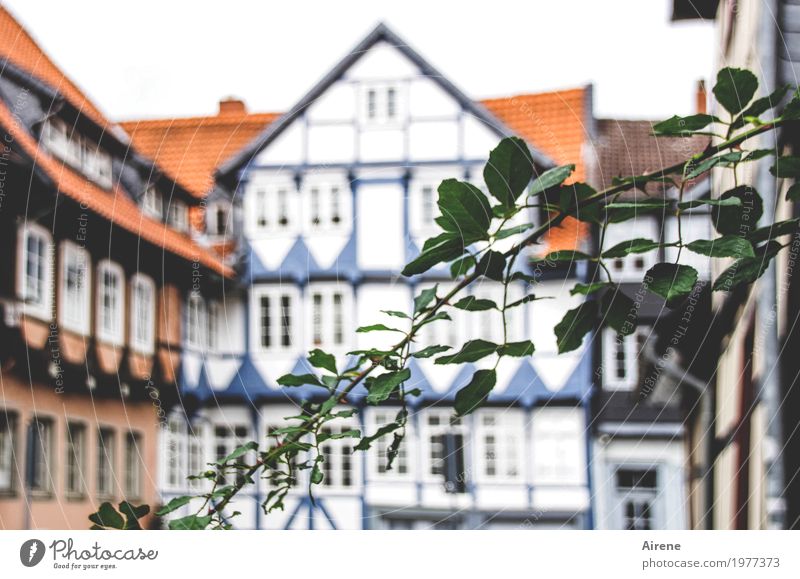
{"x": 232, "y": 106}
{"x": 701, "y": 98}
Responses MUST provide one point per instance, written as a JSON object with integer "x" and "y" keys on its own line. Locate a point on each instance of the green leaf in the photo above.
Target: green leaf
{"x": 760, "y": 106}
{"x": 366, "y": 442}
{"x": 238, "y": 452}
{"x": 425, "y": 298}
{"x": 570, "y": 196}
{"x": 728, "y": 202}
{"x": 509, "y": 170}
{"x": 107, "y": 517}
{"x": 724, "y": 160}
{"x": 436, "y": 317}
{"x": 133, "y": 514}
{"x": 588, "y": 289}
{"x": 383, "y": 385}
{"x": 575, "y": 324}
{"x": 625, "y": 210}
{"x": 292, "y": 380}
{"x": 516, "y": 349}
{"x": 317, "y": 476}
{"x": 778, "y": 229}
{"x": 551, "y": 178}
{"x": 430, "y": 351}
{"x": 471, "y": 396}
{"x": 471, "y": 351}
{"x": 462, "y": 266}
{"x": 320, "y": 359}
{"x": 173, "y": 505}
{"x": 739, "y": 218}
{"x": 671, "y": 281}
{"x": 447, "y": 248}
{"x": 793, "y": 194}
{"x": 748, "y": 269}
{"x": 352, "y": 433}
{"x": 638, "y": 245}
{"x": 683, "y": 126}
{"x": 523, "y": 300}
{"x": 190, "y": 523}
{"x": 377, "y": 328}
{"x": 465, "y": 211}
{"x": 735, "y": 88}
{"x": 396, "y": 314}
{"x": 619, "y": 312}
{"x": 492, "y": 265}
{"x": 725, "y": 246}
{"x": 786, "y": 167}
{"x": 792, "y": 110}
{"x": 473, "y": 304}
{"x": 565, "y": 255}
{"x": 516, "y": 230}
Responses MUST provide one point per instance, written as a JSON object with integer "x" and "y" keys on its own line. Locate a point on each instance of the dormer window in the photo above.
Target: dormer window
{"x": 217, "y": 220}
{"x": 81, "y": 153}
{"x": 381, "y": 104}
{"x": 178, "y": 215}
{"x": 152, "y": 204}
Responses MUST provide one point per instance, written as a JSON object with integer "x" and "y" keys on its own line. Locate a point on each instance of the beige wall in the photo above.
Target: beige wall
{"x": 57, "y": 511}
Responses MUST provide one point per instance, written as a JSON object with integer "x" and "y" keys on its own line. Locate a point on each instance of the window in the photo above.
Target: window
{"x": 174, "y": 451}
{"x": 196, "y": 322}
{"x": 213, "y": 326}
{"x": 632, "y": 267}
{"x": 328, "y": 315}
{"x": 196, "y": 462}
{"x": 270, "y": 209}
{"x": 500, "y": 446}
{"x": 623, "y": 358}
{"x": 337, "y": 468}
{"x": 41, "y": 455}
{"x": 446, "y": 450}
{"x": 325, "y": 203}
{"x": 217, "y": 224}
{"x": 84, "y": 155}
{"x": 152, "y": 203}
{"x": 178, "y": 215}
{"x": 558, "y": 446}
{"x": 226, "y": 440}
{"x": 133, "y": 466}
{"x": 76, "y": 459}
{"x": 8, "y": 455}
{"x": 380, "y": 454}
{"x": 381, "y": 104}
{"x": 75, "y": 284}
{"x": 143, "y": 314}
{"x": 110, "y": 302}
{"x": 637, "y": 493}
{"x": 276, "y": 324}
{"x": 106, "y": 454}
{"x": 35, "y": 269}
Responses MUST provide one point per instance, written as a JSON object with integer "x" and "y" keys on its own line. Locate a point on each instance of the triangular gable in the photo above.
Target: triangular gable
{"x": 378, "y": 34}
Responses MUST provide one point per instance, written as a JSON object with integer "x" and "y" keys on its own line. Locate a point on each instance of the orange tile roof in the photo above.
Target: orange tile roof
{"x": 555, "y": 123}
{"x": 190, "y": 149}
{"x": 17, "y": 45}
{"x": 19, "y": 48}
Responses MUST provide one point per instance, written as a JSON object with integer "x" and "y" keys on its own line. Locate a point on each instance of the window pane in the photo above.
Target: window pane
{"x": 8, "y": 431}
{"x": 132, "y": 466}
{"x": 105, "y": 462}
{"x": 286, "y": 321}
{"x": 76, "y": 461}
{"x": 266, "y": 322}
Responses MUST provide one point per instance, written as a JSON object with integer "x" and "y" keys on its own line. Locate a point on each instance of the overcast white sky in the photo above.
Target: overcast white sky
{"x": 155, "y": 58}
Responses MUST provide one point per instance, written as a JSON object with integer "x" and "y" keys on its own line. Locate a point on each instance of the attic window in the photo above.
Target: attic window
{"x": 381, "y": 104}
{"x": 152, "y": 204}
{"x": 178, "y": 215}
{"x": 81, "y": 153}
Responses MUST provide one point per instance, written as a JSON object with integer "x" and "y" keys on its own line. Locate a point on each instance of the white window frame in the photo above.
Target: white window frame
{"x": 81, "y": 153}
{"x": 196, "y": 322}
{"x": 422, "y": 225}
{"x": 213, "y": 318}
{"x": 275, "y": 294}
{"x": 340, "y": 458}
{"x": 152, "y": 202}
{"x": 621, "y": 495}
{"x": 631, "y": 349}
{"x": 216, "y": 228}
{"x": 236, "y": 434}
{"x": 105, "y": 466}
{"x": 43, "y": 444}
{"x": 561, "y": 432}
{"x": 133, "y": 465}
{"x": 196, "y": 461}
{"x": 9, "y": 434}
{"x": 375, "y": 104}
{"x": 271, "y": 208}
{"x": 178, "y": 215}
{"x": 115, "y": 332}
{"x": 330, "y": 322}
{"x": 428, "y": 431}
{"x": 74, "y": 305}
{"x": 40, "y": 305}
{"x": 75, "y": 460}
{"x": 327, "y": 203}
{"x": 144, "y": 344}
{"x": 403, "y": 466}
{"x": 174, "y": 453}
{"x": 507, "y": 461}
